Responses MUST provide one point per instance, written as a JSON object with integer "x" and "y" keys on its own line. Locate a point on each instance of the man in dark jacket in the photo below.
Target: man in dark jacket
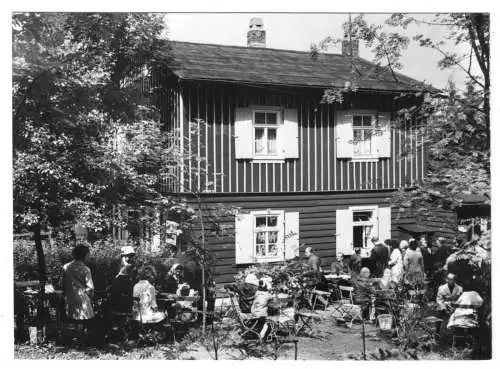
{"x": 379, "y": 257}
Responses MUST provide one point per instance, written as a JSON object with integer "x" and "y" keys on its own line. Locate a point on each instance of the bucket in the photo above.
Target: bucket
{"x": 385, "y": 322}
{"x": 37, "y": 335}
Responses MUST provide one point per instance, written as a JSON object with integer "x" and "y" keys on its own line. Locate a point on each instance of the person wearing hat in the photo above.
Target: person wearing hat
{"x": 175, "y": 278}
{"x": 127, "y": 256}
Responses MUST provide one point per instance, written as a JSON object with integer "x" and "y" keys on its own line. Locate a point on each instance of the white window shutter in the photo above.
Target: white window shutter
{"x": 244, "y": 237}
{"x": 343, "y": 230}
{"x": 291, "y": 234}
{"x": 289, "y": 134}
{"x": 344, "y": 136}
{"x": 383, "y": 138}
{"x": 243, "y": 133}
{"x": 384, "y": 223}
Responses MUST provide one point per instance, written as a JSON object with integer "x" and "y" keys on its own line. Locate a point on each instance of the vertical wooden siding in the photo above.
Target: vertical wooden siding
{"x": 317, "y": 168}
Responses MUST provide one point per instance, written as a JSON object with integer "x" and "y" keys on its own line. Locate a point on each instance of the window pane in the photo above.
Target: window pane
{"x": 272, "y": 118}
{"x": 260, "y": 118}
{"x": 271, "y": 141}
{"x": 260, "y": 237}
{"x": 361, "y": 216}
{"x": 272, "y": 221}
{"x": 357, "y": 120}
{"x": 259, "y": 141}
{"x": 357, "y": 236}
{"x": 272, "y": 237}
{"x": 367, "y": 120}
{"x": 273, "y": 250}
{"x": 260, "y": 222}
{"x": 260, "y": 250}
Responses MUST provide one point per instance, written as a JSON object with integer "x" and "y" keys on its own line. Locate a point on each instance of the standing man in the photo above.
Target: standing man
{"x": 313, "y": 260}
{"x": 379, "y": 257}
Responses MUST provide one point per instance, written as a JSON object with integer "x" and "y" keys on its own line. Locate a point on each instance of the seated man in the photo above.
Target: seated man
{"x": 313, "y": 260}
{"x": 121, "y": 294}
{"x": 355, "y": 261}
{"x": 339, "y": 266}
{"x": 447, "y": 294}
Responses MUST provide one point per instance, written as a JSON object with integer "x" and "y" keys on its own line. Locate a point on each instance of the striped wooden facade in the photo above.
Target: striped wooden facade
{"x": 209, "y": 109}
{"x": 315, "y": 185}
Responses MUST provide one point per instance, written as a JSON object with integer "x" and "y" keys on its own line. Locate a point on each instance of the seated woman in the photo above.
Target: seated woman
{"x": 145, "y": 308}
{"x": 467, "y": 306}
{"x": 364, "y": 291}
{"x": 385, "y": 292}
{"x": 386, "y": 283}
{"x": 260, "y": 306}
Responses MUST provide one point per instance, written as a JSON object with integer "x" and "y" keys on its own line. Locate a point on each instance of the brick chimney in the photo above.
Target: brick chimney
{"x": 350, "y": 47}
{"x": 256, "y": 36}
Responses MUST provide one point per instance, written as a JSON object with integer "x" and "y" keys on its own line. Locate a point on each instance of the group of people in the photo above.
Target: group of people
{"x": 131, "y": 294}
{"x": 408, "y": 261}
{"x": 392, "y": 264}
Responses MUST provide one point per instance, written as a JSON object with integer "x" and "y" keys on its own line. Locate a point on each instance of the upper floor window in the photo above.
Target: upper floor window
{"x": 266, "y": 132}
{"x": 363, "y": 135}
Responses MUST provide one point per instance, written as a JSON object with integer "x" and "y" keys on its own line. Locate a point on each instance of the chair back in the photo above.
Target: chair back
{"x": 235, "y": 307}
{"x": 346, "y": 294}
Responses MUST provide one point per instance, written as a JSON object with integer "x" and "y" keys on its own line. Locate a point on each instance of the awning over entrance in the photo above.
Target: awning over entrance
{"x": 416, "y": 230}
{"x": 474, "y": 206}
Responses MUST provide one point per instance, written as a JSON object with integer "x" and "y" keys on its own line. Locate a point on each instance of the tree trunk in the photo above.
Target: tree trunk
{"x": 42, "y": 272}
{"x": 203, "y": 279}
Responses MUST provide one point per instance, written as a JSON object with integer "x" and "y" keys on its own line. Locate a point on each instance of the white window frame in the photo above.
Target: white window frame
{"x": 280, "y": 227}
{"x": 374, "y": 118}
{"x": 266, "y": 157}
{"x": 374, "y": 222}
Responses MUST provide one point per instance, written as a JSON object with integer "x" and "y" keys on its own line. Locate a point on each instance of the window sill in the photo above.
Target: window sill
{"x": 364, "y": 159}
{"x": 272, "y": 161}
{"x": 260, "y": 259}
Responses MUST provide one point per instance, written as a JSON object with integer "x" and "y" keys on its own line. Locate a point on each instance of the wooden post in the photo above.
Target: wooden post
{"x": 364, "y": 340}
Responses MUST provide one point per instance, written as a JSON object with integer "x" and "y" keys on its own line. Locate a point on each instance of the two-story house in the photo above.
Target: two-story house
{"x": 302, "y": 172}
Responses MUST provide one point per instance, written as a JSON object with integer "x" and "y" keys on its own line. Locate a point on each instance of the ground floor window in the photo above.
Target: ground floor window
{"x": 356, "y": 225}
{"x": 266, "y": 236}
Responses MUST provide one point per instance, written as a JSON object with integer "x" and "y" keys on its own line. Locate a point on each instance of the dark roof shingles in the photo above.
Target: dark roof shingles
{"x": 193, "y": 61}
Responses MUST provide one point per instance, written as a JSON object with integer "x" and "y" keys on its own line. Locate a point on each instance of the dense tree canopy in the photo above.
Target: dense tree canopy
{"x": 456, "y": 129}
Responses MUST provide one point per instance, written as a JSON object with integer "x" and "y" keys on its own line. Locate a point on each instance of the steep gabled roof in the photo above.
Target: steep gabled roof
{"x": 195, "y": 61}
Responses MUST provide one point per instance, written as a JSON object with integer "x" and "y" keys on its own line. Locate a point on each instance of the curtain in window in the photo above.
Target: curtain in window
{"x": 271, "y": 141}
{"x": 259, "y": 140}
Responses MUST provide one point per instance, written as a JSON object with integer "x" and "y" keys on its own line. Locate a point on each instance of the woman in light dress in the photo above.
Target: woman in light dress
{"x": 413, "y": 263}
{"x": 145, "y": 308}
{"x": 396, "y": 263}
{"x": 78, "y": 286}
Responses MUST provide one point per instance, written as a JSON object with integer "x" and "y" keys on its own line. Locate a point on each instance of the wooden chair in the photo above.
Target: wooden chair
{"x": 346, "y": 309}
{"x": 322, "y": 296}
{"x": 246, "y": 326}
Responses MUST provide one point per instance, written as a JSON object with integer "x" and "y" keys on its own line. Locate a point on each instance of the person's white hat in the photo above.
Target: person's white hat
{"x": 128, "y": 250}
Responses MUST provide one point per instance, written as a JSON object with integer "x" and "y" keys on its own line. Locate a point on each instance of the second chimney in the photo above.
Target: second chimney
{"x": 256, "y": 36}
{"x": 350, "y": 47}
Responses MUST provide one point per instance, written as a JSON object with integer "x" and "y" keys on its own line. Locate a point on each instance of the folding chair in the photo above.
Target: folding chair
{"x": 346, "y": 310}
{"x": 246, "y": 325}
{"x": 321, "y": 296}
